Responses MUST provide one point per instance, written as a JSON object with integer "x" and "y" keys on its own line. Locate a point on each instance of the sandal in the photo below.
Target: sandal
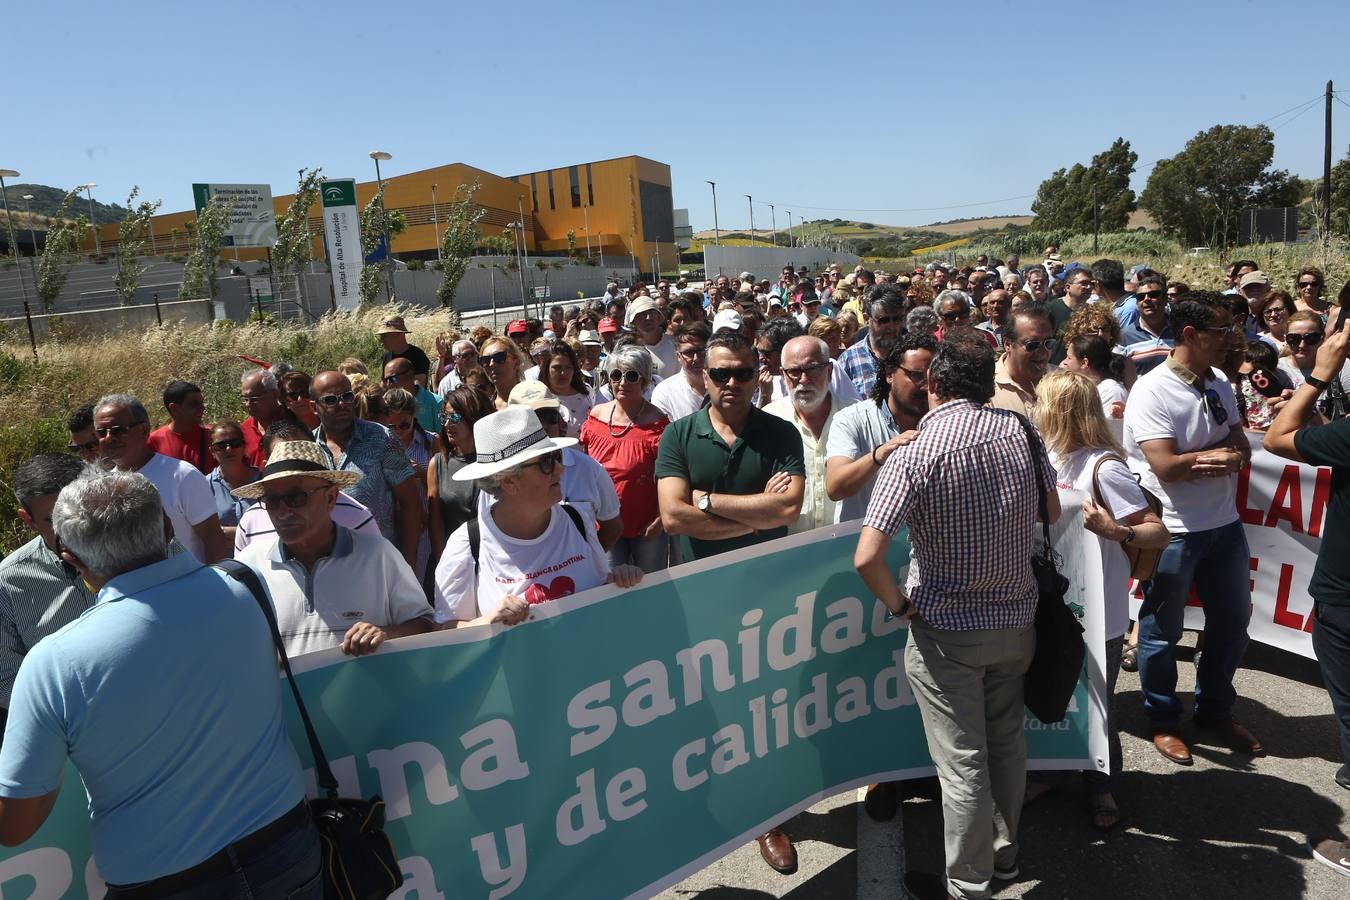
{"x": 1129, "y": 660}
{"x": 1105, "y": 812}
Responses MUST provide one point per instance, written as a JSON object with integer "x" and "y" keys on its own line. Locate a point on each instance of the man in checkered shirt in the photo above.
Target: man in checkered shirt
{"x": 966, "y": 489}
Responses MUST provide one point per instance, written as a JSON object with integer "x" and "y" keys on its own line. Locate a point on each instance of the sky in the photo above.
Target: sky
{"x": 893, "y": 112}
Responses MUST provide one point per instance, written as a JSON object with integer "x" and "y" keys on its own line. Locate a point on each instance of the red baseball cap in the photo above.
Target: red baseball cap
{"x": 608, "y": 325}
{"x": 518, "y": 326}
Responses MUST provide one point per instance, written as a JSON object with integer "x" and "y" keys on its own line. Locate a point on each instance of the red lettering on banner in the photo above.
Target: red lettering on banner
{"x": 1249, "y": 515}
{"x": 1321, "y": 496}
{"x": 1253, "y": 564}
{"x": 1283, "y": 616}
{"x": 1287, "y": 504}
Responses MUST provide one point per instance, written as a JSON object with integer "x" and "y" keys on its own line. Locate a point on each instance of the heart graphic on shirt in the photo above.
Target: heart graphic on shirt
{"x": 559, "y": 587}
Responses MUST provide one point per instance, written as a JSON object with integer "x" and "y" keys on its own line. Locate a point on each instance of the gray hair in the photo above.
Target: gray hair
{"x": 492, "y": 484}
{"x": 952, "y": 294}
{"x": 112, "y": 521}
{"x": 922, "y": 319}
{"x": 127, "y": 402}
{"x": 634, "y": 357}
{"x": 267, "y": 378}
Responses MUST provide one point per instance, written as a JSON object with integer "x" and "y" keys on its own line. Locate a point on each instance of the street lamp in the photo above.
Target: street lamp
{"x": 792, "y": 242}
{"x": 13, "y": 244}
{"x": 379, "y": 155}
{"x": 32, "y": 237}
{"x": 773, "y": 223}
{"x": 752, "y": 219}
{"x": 717, "y": 232}
{"x": 435, "y": 222}
{"x": 89, "y": 192}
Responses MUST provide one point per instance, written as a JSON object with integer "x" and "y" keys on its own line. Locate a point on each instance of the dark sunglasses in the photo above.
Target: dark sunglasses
{"x": 338, "y": 399}
{"x": 495, "y": 359}
{"x": 1298, "y": 340}
{"x": 625, "y": 375}
{"x": 743, "y": 374}
{"x": 403, "y": 426}
{"x": 76, "y": 448}
{"x": 956, "y": 315}
{"x": 546, "y": 462}
{"x": 114, "y": 430}
{"x": 228, "y": 444}
{"x": 1156, "y": 295}
{"x": 1215, "y": 404}
{"x": 1033, "y": 346}
{"x": 294, "y": 500}
{"x": 1310, "y": 284}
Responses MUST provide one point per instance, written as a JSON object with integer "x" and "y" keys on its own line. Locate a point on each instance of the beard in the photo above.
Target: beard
{"x": 807, "y": 398}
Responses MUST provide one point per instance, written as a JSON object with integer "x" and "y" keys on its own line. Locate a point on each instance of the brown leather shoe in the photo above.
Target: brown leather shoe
{"x": 1233, "y": 734}
{"x": 776, "y": 848}
{"x": 880, "y": 801}
{"x": 1171, "y": 746}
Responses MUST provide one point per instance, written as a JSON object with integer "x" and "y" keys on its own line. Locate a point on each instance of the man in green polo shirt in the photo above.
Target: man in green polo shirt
{"x": 729, "y": 476}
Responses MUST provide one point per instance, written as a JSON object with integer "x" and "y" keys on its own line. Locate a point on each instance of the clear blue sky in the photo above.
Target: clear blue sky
{"x": 879, "y": 105}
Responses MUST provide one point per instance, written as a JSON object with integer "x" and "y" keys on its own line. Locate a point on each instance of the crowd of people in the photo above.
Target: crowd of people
{"x": 650, "y": 427}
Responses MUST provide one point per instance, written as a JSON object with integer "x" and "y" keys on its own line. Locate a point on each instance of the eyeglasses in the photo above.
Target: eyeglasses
{"x": 453, "y": 418}
{"x": 87, "y": 448}
{"x": 495, "y": 359}
{"x": 296, "y": 395}
{"x": 1309, "y": 284}
{"x": 1274, "y": 312}
{"x": 114, "y": 430}
{"x": 743, "y": 374}
{"x": 403, "y": 426}
{"x": 296, "y": 499}
{"x": 690, "y": 352}
{"x": 1144, "y": 295}
{"x": 228, "y": 444}
{"x": 1298, "y": 340}
{"x": 956, "y": 315}
{"x": 1215, "y": 404}
{"x": 628, "y": 375}
{"x": 1048, "y": 344}
{"x": 796, "y": 373}
{"x": 1235, "y": 328}
{"x": 250, "y": 399}
{"x": 338, "y": 399}
{"x": 466, "y": 354}
{"x": 545, "y": 462}
{"x": 917, "y": 376}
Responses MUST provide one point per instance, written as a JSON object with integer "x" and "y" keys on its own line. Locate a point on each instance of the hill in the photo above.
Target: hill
{"x": 46, "y": 202}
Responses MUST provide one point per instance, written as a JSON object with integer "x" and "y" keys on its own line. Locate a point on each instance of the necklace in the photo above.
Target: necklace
{"x": 625, "y": 429}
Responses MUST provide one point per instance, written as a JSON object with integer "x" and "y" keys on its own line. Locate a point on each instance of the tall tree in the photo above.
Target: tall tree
{"x": 132, "y": 235}
{"x": 457, "y": 243}
{"x": 1066, "y": 200}
{"x": 1340, "y": 197}
{"x": 1198, "y": 194}
{"x": 292, "y": 250}
{"x": 59, "y": 252}
{"x": 375, "y": 224}
{"x": 199, "y": 271}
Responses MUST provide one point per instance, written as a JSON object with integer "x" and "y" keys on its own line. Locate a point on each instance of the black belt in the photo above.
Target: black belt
{"x": 219, "y": 864}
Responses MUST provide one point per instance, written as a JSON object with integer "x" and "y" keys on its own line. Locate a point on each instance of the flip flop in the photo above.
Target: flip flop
{"x": 1129, "y": 659}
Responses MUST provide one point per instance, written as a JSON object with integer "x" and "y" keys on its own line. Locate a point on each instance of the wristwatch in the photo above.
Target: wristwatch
{"x": 705, "y": 503}
{"x": 1316, "y": 382}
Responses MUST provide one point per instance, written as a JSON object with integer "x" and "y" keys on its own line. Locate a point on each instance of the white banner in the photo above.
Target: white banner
{"x": 1283, "y": 506}
{"x": 342, "y": 227}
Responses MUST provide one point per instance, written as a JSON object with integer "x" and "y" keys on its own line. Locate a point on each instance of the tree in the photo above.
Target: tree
{"x": 199, "y": 272}
{"x": 59, "y": 252}
{"x": 1066, "y": 199}
{"x": 1340, "y": 197}
{"x": 1198, "y": 194}
{"x": 457, "y": 243}
{"x": 375, "y": 223}
{"x": 131, "y": 237}
{"x": 292, "y": 250}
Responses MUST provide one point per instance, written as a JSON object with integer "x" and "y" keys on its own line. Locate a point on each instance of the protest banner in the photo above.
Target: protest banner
{"x": 1283, "y": 507}
{"x": 621, "y": 740}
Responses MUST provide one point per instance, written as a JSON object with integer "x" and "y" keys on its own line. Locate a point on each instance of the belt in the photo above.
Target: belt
{"x": 219, "y": 864}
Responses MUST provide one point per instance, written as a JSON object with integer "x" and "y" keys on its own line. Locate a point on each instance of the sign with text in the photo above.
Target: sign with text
{"x": 621, "y": 740}
{"x": 253, "y": 221}
{"x": 342, "y": 231}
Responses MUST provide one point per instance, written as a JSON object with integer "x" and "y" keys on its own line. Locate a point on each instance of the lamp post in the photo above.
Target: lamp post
{"x": 773, "y": 223}
{"x": 792, "y": 241}
{"x": 32, "y": 237}
{"x": 13, "y": 244}
{"x": 435, "y": 221}
{"x": 379, "y": 155}
{"x": 751, "y": 201}
{"x": 89, "y": 192}
{"x": 717, "y": 232}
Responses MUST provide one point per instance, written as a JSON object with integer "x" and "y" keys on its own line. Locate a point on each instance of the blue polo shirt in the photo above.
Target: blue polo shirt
{"x": 165, "y": 696}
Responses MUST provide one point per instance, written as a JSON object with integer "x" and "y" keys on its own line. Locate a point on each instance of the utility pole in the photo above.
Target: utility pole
{"x": 792, "y": 241}
{"x": 717, "y": 232}
{"x": 752, "y": 219}
{"x": 1094, "y": 217}
{"x": 773, "y": 224}
{"x": 1326, "y": 172}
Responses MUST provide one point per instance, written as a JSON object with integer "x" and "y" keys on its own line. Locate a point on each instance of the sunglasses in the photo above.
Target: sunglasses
{"x": 1298, "y": 340}
{"x": 403, "y": 426}
{"x": 390, "y": 379}
{"x": 454, "y": 418}
{"x": 955, "y": 315}
{"x": 338, "y": 399}
{"x": 228, "y": 444}
{"x": 743, "y": 374}
{"x": 1143, "y": 295}
{"x": 1215, "y": 405}
{"x": 629, "y": 376}
{"x": 1309, "y": 284}
{"x": 796, "y": 373}
{"x": 546, "y": 463}
{"x": 1034, "y": 346}
{"x": 114, "y": 430}
{"x": 294, "y": 500}
{"x": 88, "y": 448}
{"x": 495, "y": 359}
{"x": 466, "y": 354}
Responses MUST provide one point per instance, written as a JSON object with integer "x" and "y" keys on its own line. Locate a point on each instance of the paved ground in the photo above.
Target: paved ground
{"x": 1228, "y": 827}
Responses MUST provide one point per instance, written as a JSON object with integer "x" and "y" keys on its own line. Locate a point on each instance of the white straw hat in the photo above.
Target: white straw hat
{"x": 296, "y": 458}
{"x": 508, "y": 438}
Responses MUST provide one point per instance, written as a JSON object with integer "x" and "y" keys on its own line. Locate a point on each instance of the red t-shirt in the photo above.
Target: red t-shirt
{"x": 253, "y": 453}
{"x": 193, "y": 448}
{"x": 629, "y": 456}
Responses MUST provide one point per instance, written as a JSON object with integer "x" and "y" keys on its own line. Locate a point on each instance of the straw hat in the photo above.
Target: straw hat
{"x": 296, "y": 458}
{"x": 392, "y": 325}
{"x": 508, "y": 438}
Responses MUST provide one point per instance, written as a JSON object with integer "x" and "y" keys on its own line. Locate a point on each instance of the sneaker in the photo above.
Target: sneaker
{"x": 1343, "y": 777}
{"x": 1008, "y": 874}
{"x": 1333, "y": 854}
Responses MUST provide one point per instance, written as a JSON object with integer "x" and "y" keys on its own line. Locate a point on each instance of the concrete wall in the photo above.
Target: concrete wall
{"x": 122, "y": 318}
{"x": 768, "y": 262}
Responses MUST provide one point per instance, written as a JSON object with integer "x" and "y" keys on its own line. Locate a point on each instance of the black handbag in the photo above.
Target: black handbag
{"x": 359, "y": 862}
{"x": 1060, "y": 651}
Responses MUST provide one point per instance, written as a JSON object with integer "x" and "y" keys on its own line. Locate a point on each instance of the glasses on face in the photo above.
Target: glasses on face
{"x": 1235, "y": 328}
{"x": 627, "y": 375}
{"x": 113, "y": 430}
{"x": 466, "y": 354}
{"x": 1309, "y": 285}
{"x": 1048, "y": 345}
{"x": 494, "y": 359}
{"x": 885, "y": 320}
{"x": 1146, "y": 295}
{"x": 1298, "y": 340}
{"x": 1274, "y": 313}
{"x": 796, "y": 372}
{"x": 1215, "y": 404}
{"x": 227, "y": 444}
{"x": 743, "y": 374}
{"x": 690, "y": 352}
{"x": 296, "y": 395}
{"x": 402, "y": 426}
{"x": 453, "y": 418}
{"x": 90, "y": 447}
{"x": 956, "y": 315}
{"x": 545, "y": 462}
{"x": 250, "y": 399}
{"x": 295, "y": 499}
{"x": 917, "y": 376}
{"x": 331, "y": 400}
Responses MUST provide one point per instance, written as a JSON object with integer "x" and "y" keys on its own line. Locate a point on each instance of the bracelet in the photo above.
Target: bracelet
{"x": 1129, "y": 538}
{"x": 875, "y": 461}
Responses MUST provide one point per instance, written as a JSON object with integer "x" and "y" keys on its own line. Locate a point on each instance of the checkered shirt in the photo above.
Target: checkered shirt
{"x": 861, "y": 365}
{"x": 966, "y": 489}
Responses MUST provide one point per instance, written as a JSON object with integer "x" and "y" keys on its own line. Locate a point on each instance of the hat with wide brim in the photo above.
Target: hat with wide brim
{"x": 393, "y": 325}
{"x": 508, "y": 438}
{"x": 296, "y": 458}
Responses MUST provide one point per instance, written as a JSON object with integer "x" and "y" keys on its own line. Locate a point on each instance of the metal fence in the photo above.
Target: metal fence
{"x": 767, "y": 262}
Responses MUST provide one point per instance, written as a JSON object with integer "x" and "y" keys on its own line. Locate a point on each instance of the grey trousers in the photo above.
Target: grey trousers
{"x": 968, "y": 686}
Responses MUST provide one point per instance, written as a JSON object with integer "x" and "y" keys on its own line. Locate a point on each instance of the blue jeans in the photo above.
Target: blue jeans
{"x": 1217, "y": 562}
{"x": 648, "y": 554}
{"x": 291, "y": 869}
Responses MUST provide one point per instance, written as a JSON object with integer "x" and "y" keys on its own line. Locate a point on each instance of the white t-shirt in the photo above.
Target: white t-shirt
{"x": 559, "y": 562}
{"x": 1123, "y": 499}
{"x": 575, "y": 409}
{"x": 676, "y": 398}
{"x": 449, "y": 381}
{"x": 1163, "y": 406}
{"x": 255, "y": 525}
{"x": 186, "y": 496}
{"x": 1111, "y": 391}
{"x": 587, "y": 486}
{"x": 665, "y": 356}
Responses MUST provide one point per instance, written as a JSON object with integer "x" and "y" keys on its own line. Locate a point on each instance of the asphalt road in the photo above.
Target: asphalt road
{"x": 1229, "y": 826}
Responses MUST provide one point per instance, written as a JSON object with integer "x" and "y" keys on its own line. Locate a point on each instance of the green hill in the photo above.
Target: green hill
{"x": 46, "y": 202}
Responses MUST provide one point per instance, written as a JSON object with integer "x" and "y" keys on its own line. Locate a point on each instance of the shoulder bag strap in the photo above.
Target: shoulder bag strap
{"x": 1034, "y": 445}
{"x": 249, "y": 579}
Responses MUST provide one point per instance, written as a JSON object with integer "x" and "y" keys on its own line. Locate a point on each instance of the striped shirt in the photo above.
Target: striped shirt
{"x": 39, "y": 594}
{"x": 966, "y": 489}
{"x": 255, "y": 525}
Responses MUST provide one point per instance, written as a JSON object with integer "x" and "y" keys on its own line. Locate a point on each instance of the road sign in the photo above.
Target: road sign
{"x": 253, "y": 221}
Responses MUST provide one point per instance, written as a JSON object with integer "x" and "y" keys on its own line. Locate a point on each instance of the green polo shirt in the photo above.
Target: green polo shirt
{"x": 691, "y": 449}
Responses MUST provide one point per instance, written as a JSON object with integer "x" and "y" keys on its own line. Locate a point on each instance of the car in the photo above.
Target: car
{"x": 1197, "y": 251}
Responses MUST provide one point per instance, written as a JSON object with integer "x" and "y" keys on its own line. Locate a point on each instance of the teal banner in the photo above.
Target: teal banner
{"x": 619, "y": 740}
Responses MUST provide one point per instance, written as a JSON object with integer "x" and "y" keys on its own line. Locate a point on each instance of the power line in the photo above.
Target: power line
{"x": 1306, "y": 109}
{"x": 1292, "y": 108}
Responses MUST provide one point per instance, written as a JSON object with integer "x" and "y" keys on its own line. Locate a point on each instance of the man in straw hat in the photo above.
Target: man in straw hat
{"x": 331, "y": 586}
{"x": 393, "y": 334}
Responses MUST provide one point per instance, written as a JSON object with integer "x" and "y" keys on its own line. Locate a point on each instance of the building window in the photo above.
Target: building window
{"x": 575, "y": 185}
{"x": 534, "y": 193}
{"x": 590, "y": 187}
{"x": 658, "y": 212}
{"x": 551, "y": 206}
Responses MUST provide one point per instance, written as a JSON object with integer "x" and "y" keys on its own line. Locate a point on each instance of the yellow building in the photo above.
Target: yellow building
{"x": 616, "y": 207}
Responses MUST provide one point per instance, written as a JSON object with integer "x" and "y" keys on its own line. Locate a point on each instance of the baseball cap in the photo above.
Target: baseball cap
{"x": 607, "y": 325}
{"x": 534, "y": 394}
{"x": 727, "y": 318}
{"x": 588, "y": 337}
{"x": 1257, "y": 277}
{"x": 637, "y": 307}
{"x": 518, "y": 326}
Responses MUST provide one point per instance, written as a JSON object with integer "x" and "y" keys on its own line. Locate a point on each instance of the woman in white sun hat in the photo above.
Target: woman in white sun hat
{"x": 525, "y": 547}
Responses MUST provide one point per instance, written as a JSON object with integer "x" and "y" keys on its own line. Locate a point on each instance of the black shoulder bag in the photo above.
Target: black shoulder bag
{"x": 1060, "y": 652}
{"x": 359, "y": 862}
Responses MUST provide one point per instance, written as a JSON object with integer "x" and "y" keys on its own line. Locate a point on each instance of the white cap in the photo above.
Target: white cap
{"x": 590, "y": 337}
{"x": 727, "y": 318}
